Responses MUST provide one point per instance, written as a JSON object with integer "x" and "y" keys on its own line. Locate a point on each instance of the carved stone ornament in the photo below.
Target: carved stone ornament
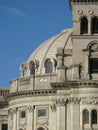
{"x": 42, "y": 121}
{"x": 88, "y": 101}
{"x": 74, "y": 100}
{"x": 30, "y": 108}
{"x": 80, "y": 12}
{"x": 14, "y": 110}
{"x": 53, "y": 107}
{"x": 61, "y": 102}
{"x": 91, "y": 12}
{"x": 94, "y": 47}
{"x": 23, "y": 123}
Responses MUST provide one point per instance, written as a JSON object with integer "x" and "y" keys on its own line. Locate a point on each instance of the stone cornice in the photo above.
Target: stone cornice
{"x": 85, "y": 36}
{"x": 75, "y": 84}
{"x": 31, "y": 93}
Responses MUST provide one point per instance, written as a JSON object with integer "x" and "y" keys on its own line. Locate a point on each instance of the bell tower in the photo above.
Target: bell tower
{"x": 85, "y": 16}
{"x": 85, "y": 35}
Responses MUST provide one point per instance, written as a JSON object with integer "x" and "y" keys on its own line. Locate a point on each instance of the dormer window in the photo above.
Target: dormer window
{"x": 83, "y": 25}
{"x": 48, "y": 66}
{"x": 94, "y": 25}
{"x": 32, "y": 68}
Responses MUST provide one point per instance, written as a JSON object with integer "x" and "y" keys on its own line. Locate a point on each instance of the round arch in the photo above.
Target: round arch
{"x": 41, "y": 128}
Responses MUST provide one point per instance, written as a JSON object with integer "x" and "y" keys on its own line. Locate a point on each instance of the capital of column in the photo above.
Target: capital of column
{"x": 53, "y": 107}
{"x": 14, "y": 110}
{"x": 30, "y": 109}
{"x": 61, "y": 102}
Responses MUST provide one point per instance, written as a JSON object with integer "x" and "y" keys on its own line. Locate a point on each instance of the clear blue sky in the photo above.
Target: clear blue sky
{"x": 25, "y": 24}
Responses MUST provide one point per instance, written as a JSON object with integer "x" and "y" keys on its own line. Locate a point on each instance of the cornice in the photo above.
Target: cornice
{"x": 29, "y": 93}
{"x": 75, "y": 84}
{"x": 85, "y": 36}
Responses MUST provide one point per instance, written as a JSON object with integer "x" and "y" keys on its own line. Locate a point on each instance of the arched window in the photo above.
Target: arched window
{"x": 32, "y": 68}
{"x": 40, "y": 128}
{"x": 94, "y": 117}
{"x": 48, "y": 66}
{"x": 94, "y": 25}
{"x": 83, "y": 25}
{"x": 93, "y": 61}
{"x": 85, "y": 117}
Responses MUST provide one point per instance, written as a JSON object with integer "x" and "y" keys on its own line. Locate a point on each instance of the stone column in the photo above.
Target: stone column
{"x": 86, "y": 71}
{"x": 89, "y": 26}
{"x": 30, "y": 118}
{"x": 61, "y": 114}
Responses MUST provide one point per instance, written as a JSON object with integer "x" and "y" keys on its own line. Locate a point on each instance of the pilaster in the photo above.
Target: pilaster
{"x": 14, "y": 118}
{"x": 61, "y": 114}
{"x": 30, "y": 117}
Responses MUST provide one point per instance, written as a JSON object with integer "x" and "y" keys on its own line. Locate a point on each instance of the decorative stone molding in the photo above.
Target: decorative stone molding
{"x": 61, "y": 102}
{"x": 94, "y": 47}
{"x": 43, "y": 121}
{"x": 30, "y": 109}
{"x": 80, "y": 12}
{"x": 74, "y": 100}
{"x": 30, "y": 93}
{"x": 53, "y": 107}
{"x": 91, "y": 12}
{"x": 14, "y": 110}
{"x": 92, "y": 101}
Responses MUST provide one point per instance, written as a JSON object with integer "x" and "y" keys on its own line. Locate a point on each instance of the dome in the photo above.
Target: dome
{"x": 48, "y": 49}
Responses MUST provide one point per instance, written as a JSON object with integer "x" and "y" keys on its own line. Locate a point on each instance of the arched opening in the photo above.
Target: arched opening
{"x": 94, "y": 117}
{"x": 85, "y": 117}
{"x": 41, "y": 128}
{"x": 83, "y": 25}
{"x": 48, "y": 66}
{"x": 94, "y": 25}
{"x": 32, "y": 68}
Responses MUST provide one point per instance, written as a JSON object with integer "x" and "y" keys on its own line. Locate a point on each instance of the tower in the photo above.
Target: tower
{"x": 85, "y": 37}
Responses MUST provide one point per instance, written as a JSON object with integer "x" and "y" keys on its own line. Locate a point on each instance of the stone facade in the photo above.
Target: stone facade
{"x": 58, "y": 86}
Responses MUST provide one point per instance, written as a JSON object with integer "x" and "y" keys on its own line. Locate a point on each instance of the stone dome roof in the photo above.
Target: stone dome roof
{"x": 48, "y": 49}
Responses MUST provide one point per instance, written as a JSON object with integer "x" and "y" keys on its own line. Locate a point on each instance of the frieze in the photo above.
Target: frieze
{"x": 93, "y": 101}
{"x": 23, "y": 123}
{"x": 74, "y": 100}
{"x": 61, "y": 102}
{"x": 30, "y": 93}
{"x": 43, "y": 121}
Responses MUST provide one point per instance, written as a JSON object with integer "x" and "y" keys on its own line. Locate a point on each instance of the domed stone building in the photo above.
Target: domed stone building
{"x": 58, "y": 86}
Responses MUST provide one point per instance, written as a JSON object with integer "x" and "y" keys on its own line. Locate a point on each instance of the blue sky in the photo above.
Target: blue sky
{"x": 24, "y": 25}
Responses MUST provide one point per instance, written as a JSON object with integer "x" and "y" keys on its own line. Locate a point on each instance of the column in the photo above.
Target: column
{"x": 61, "y": 114}
{"x": 30, "y": 118}
{"x": 89, "y": 26}
{"x": 86, "y": 76}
